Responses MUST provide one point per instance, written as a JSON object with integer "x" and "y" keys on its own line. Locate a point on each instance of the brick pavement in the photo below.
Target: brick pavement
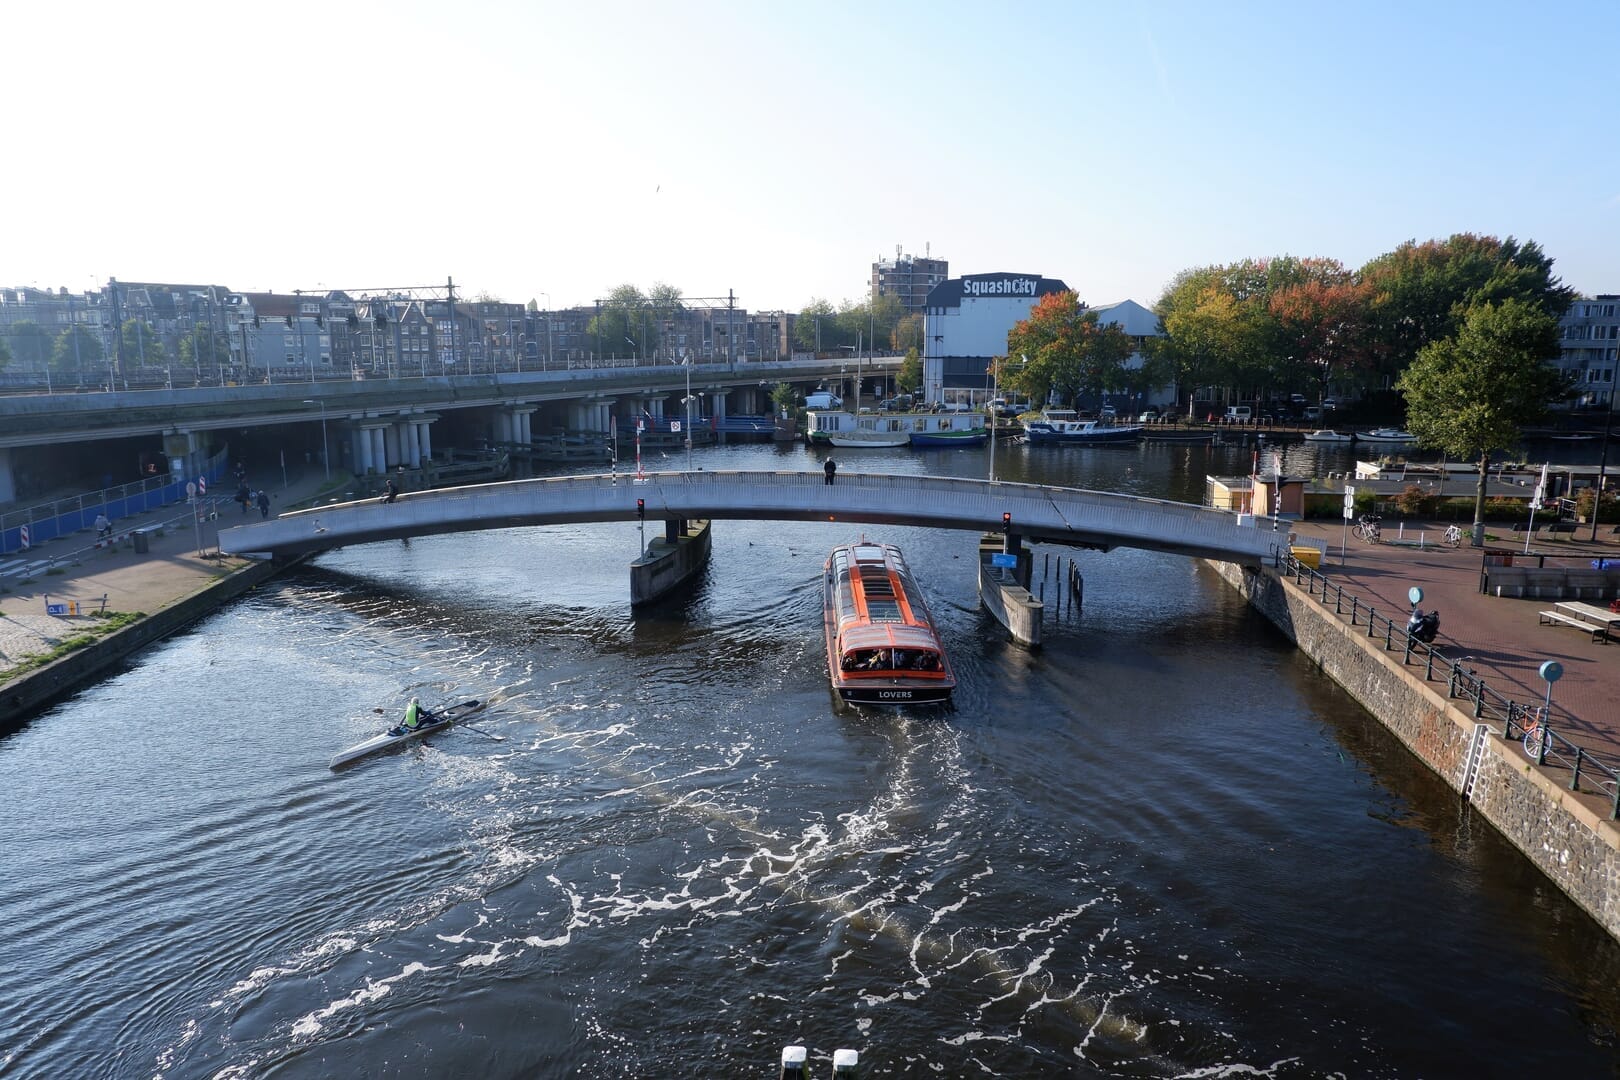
{"x": 171, "y": 570}
{"x": 1503, "y": 635}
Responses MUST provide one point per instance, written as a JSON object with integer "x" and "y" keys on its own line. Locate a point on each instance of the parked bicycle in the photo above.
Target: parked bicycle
{"x": 1453, "y": 536}
{"x": 1535, "y": 735}
{"x": 1367, "y": 528}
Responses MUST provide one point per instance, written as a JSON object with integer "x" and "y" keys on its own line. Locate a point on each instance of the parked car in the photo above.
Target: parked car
{"x": 1003, "y": 407}
{"x": 1107, "y": 412}
{"x": 1329, "y": 403}
{"x": 1148, "y": 416}
{"x": 823, "y": 399}
{"x": 898, "y": 403}
{"x": 1312, "y": 413}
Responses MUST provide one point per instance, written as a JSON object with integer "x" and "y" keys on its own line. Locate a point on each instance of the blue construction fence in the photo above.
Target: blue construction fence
{"x": 63, "y": 517}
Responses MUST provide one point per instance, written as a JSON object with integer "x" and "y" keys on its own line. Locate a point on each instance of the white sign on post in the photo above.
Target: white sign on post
{"x": 1349, "y": 502}
{"x": 675, "y": 427}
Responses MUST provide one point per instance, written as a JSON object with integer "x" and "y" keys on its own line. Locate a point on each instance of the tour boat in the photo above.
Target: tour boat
{"x": 1065, "y": 426}
{"x": 1327, "y": 436}
{"x": 881, "y": 645}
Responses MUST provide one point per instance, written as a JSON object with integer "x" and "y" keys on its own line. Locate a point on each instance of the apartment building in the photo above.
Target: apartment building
{"x": 1589, "y": 335}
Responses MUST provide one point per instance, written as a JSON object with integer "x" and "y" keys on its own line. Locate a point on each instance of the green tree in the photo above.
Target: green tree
{"x": 784, "y": 397}
{"x": 1472, "y": 394}
{"x": 76, "y": 349}
{"x": 618, "y": 326}
{"x": 1419, "y": 293}
{"x": 1064, "y": 350}
{"x": 142, "y": 346}
{"x": 816, "y": 313}
{"x": 201, "y": 350}
{"x": 665, "y": 304}
{"x": 908, "y": 333}
{"x": 1323, "y": 326}
{"x": 31, "y": 344}
{"x": 908, "y": 380}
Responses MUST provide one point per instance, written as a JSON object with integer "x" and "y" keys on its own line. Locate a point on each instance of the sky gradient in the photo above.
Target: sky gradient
{"x": 553, "y": 151}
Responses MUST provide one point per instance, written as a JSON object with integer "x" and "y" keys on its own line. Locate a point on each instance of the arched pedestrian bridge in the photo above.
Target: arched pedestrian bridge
{"x": 1092, "y": 519}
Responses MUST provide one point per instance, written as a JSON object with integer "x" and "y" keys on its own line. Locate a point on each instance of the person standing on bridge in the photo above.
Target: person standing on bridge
{"x": 264, "y": 504}
{"x": 829, "y": 469}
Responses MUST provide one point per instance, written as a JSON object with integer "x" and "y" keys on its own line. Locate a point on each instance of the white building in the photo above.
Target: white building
{"x": 965, "y": 326}
{"x": 1139, "y": 324}
{"x": 1589, "y": 334}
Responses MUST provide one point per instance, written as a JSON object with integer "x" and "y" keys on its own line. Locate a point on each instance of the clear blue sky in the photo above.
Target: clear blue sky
{"x": 560, "y": 149}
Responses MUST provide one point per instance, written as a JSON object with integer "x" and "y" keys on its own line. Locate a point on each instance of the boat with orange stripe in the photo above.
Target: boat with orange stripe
{"x": 882, "y": 648}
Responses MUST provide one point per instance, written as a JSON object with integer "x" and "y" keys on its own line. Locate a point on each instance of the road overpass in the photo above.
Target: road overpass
{"x": 1092, "y": 519}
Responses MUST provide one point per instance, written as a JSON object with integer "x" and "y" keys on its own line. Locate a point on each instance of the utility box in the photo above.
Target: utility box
{"x": 142, "y": 542}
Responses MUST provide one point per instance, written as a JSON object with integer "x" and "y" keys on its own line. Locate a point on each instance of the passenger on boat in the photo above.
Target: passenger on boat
{"x": 877, "y": 660}
{"x": 927, "y": 662}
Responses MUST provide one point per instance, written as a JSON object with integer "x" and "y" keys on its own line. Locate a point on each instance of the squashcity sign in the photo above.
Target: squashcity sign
{"x": 999, "y": 286}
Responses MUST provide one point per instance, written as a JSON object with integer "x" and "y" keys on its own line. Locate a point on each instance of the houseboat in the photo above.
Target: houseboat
{"x": 837, "y": 428}
{"x": 882, "y": 649}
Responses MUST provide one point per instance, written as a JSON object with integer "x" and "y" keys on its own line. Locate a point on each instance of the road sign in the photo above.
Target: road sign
{"x": 675, "y": 426}
{"x": 1349, "y": 502}
{"x": 191, "y": 491}
{"x": 202, "y": 481}
{"x": 1004, "y": 560}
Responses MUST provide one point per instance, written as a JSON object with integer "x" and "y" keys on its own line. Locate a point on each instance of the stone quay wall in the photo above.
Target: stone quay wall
{"x": 1567, "y": 835}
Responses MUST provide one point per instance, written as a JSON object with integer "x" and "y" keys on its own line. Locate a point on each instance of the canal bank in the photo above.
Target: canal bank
{"x": 1567, "y": 834}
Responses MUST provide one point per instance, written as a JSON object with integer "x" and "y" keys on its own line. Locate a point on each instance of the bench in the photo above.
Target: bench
{"x": 1550, "y": 618}
{"x": 1552, "y": 527}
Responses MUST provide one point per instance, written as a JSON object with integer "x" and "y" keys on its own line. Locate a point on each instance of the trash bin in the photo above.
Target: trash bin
{"x": 1308, "y": 556}
{"x": 142, "y": 544}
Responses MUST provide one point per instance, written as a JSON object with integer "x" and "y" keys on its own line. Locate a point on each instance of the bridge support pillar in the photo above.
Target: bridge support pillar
{"x": 410, "y": 438}
{"x": 670, "y": 561}
{"x": 393, "y": 444}
{"x": 1004, "y": 592}
{"x": 8, "y": 482}
{"x": 379, "y": 450}
{"x": 424, "y": 438}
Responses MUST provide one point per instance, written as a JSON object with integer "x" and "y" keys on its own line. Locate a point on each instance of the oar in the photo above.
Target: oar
{"x": 481, "y": 731}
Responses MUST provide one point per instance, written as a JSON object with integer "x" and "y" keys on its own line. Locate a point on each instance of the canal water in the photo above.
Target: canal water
{"x": 1162, "y": 846}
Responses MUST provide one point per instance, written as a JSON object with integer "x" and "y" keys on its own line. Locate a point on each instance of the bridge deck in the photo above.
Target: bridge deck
{"x": 1096, "y": 519}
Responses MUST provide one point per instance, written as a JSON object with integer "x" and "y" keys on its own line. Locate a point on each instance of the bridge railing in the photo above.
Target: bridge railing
{"x": 1518, "y": 721}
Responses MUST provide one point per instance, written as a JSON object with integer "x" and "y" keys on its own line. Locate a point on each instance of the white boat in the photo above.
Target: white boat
{"x": 1327, "y": 436}
{"x": 1387, "y": 435}
{"x": 398, "y": 736}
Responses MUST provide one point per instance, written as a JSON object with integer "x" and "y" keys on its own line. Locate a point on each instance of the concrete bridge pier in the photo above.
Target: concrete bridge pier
{"x": 1004, "y": 591}
{"x": 669, "y": 561}
{"x": 187, "y": 454}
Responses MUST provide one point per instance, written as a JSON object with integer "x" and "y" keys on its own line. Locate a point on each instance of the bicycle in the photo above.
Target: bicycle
{"x": 1453, "y": 536}
{"x": 1536, "y": 736}
{"x": 1367, "y": 529}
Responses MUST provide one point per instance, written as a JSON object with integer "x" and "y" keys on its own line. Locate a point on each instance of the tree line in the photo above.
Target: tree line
{"x": 79, "y": 349}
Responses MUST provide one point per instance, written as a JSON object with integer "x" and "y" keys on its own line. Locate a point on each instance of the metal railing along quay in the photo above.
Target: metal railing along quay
{"x": 1518, "y": 722}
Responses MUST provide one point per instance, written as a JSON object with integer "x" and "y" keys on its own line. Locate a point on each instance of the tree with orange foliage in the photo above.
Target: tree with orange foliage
{"x": 1064, "y": 351}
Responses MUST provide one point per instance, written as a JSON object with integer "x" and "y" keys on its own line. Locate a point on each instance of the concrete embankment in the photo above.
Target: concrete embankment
{"x": 1567, "y": 835}
{"x": 30, "y": 691}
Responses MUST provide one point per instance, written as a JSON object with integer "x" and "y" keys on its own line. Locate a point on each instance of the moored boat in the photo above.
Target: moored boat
{"x": 837, "y": 428}
{"x": 882, "y": 648}
{"x": 1387, "y": 435}
{"x": 398, "y": 736}
{"x": 1327, "y": 436}
{"x": 1065, "y": 426}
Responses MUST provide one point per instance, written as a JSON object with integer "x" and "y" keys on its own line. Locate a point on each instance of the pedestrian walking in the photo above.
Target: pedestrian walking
{"x": 245, "y": 497}
{"x": 264, "y": 504}
{"x": 830, "y": 468}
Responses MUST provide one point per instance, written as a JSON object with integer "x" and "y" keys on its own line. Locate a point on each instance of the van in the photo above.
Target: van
{"x": 1237, "y": 414}
{"x": 823, "y": 399}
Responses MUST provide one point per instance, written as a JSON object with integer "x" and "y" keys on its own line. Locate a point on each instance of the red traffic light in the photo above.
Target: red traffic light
{"x": 1006, "y": 522}
{"x": 641, "y": 508}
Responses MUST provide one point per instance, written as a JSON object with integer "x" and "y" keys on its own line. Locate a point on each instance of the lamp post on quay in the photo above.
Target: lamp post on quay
{"x": 326, "y": 457}
{"x": 686, "y": 362}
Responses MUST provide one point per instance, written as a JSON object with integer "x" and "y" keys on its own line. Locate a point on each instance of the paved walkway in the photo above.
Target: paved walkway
{"x": 75, "y": 569}
{"x": 1502, "y": 635}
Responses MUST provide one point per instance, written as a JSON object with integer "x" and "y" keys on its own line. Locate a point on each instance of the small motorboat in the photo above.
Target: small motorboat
{"x": 1327, "y": 436}
{"x": 1065, "y": 426}
{"x": 1387, "y": 435}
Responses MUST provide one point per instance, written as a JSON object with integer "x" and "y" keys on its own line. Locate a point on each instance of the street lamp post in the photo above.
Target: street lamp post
{"x": 326, "y": 457}
{"x": 687, "y": 401}
{"x": 1603, "y": 462}
{"x": 546, "y": 363}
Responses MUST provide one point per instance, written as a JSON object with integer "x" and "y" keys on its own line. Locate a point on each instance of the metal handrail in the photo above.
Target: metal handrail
{"x": 1516, "y": 719}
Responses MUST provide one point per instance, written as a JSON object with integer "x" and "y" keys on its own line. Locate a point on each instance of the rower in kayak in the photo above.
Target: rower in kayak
{"x": 415, "y": 717}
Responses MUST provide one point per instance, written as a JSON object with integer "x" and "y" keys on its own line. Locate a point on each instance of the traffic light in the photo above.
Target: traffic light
{"x": 641, "y": 509}
{"x": 1006, "y": 522}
